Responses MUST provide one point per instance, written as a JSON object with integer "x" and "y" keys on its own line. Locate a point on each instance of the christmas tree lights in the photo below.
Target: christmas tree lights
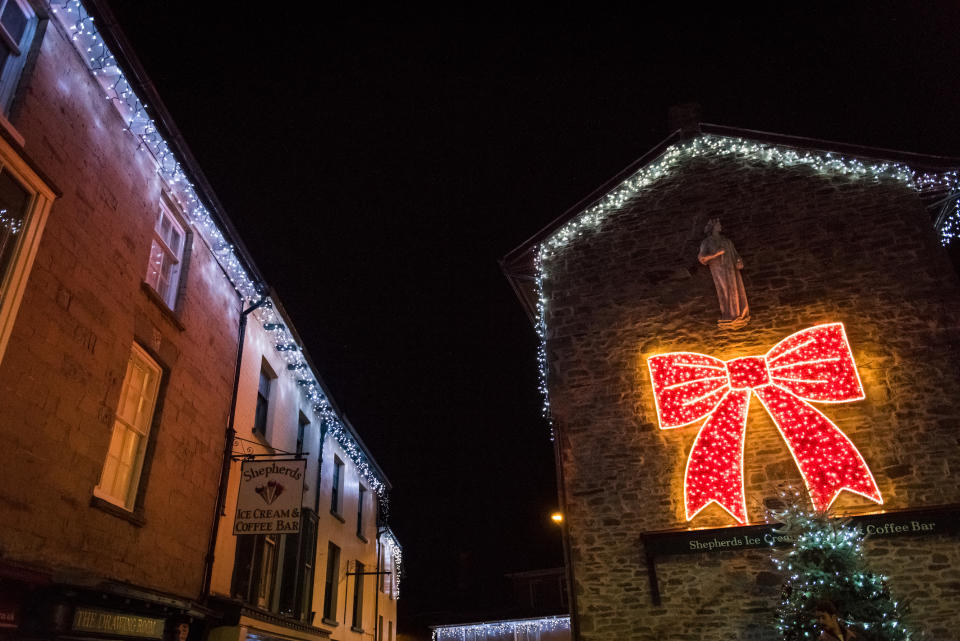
{"x": 826, "y": 564}
{"x": 815, "y": 364}
{"x": 77, "y": 21}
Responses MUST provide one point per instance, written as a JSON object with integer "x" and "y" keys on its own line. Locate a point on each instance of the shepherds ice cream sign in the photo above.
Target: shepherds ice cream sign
{"x": 270, "y": 497}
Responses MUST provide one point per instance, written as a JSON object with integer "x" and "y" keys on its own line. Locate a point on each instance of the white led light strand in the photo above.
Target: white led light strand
{"x": 396, "y": 553}
{"x": 722, "y": 146}
{"x": 78, "y": 22}
{"x": 528, "y": 628}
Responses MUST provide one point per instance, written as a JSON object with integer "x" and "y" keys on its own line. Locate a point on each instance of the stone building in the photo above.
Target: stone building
{"x": 123, "y": 408}
{"x": 844, "y": 239}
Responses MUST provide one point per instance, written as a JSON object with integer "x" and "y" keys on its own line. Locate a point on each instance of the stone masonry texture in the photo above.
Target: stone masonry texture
{"x": 83, "y": 307}
{"x": 817, "y": 248}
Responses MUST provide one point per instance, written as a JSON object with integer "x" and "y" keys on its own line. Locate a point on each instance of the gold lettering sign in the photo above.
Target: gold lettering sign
{"x": 131, "y": 625}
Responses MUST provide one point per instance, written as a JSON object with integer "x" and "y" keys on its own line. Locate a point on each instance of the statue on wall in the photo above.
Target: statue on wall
{"x": 719, "y": 254}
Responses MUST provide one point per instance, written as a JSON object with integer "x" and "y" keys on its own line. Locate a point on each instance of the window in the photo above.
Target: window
{"x": 357, "y": 624}
{"x": 24, "y": 205}
{"x": 336, "y": 494}
{"x": 299, "y": 555}
{"x": 17, "y": 25}
{"x": 255, "y": 569}
{"x": 267, "y": 575}
{"x": 138, "y": 397}
{"x": 302, "y": 423}
{"x": 362, "y": 493}
{"x": 263, "y": 399}
{"x": 166, "y": 256}
{"x": 331, "y": 583}
{"x": 389, "y": 631}
{"x": 380, "y": 628}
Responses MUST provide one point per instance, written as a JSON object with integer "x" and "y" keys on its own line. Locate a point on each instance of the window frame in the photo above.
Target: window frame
{"x": 14, "y": 280}
{"x": 13, "y": 67}
{"x": 135, "y": 482}
{"x": 262, "y": 407}
{"x": 331, "y": 584}
{"x": 357, "y": 623}
{"x": 361, "y": 493}
{"x": 174, "y": 286}
{"x": 336, "y": 488}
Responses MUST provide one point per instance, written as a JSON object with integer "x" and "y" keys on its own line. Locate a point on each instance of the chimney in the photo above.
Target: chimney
{"x": 685, "y": 117}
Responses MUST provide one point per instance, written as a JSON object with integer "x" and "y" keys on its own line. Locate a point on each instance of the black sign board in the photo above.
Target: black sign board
{"x": 922, "y": 522}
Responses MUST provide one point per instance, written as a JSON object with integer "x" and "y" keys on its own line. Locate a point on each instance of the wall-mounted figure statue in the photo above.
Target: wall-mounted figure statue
{"x": 719, "y": 254}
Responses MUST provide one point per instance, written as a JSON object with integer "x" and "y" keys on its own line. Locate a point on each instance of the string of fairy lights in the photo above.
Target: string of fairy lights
{"x": 102, "y": 63}
{"x": 396, "y": 554}
{"x": 704, "y": 145}
{"x": 509, "y": 629}
{"x": 813, "y": 365}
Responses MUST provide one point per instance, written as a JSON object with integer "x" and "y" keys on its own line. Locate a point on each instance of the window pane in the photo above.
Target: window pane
{"x": 138, "y": 396}
{"x": 331, "y": 583}
{"x": 13, "y": 21}
{"x": 14, "y": 201}
{"x": 358, "y": 597}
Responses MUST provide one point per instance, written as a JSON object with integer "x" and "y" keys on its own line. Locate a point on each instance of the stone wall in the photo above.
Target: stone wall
{"x": 83, "y": 307}
{"x": 817, "y": 248}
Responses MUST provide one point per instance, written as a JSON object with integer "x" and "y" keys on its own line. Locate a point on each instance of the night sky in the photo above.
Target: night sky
{"x": 378, "y": 164}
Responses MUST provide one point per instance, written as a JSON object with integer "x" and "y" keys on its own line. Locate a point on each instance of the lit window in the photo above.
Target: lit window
{"x": 17, "y": 25}
{"x": 166, "y": 256}
{"x": 138, "y": 398}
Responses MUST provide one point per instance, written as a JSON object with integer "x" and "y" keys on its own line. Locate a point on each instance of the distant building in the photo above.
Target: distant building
{"x": 845, "y": 273}
{"x": 122, "y": 289}
{"x": 540, "y": 592}
{"x": 554, "y": 628}
{"x": 538, "y": 612}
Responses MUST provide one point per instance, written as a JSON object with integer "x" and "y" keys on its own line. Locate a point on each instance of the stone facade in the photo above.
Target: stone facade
{"x": 818, "y": 247}
{"x": 84, "y": 305}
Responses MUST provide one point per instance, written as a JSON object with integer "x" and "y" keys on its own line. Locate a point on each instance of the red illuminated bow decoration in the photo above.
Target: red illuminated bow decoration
{"x": 812, "y": 365}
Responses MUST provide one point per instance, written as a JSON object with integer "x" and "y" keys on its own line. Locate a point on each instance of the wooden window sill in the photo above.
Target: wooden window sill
{"x": 162, "y": 304}
{"x": 135, "y": 517}
{"x": 330, "y": 622}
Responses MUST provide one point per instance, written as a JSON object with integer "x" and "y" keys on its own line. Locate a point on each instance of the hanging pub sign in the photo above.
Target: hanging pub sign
{"x": 270, "y": 497}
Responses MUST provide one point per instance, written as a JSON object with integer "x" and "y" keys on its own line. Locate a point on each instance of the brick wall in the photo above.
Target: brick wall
{"x": 82, "y": 309}
{"x": 818, "y": 248}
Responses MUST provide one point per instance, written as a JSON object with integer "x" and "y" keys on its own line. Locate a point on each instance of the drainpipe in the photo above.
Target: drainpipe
{"x": 227, "y": 453}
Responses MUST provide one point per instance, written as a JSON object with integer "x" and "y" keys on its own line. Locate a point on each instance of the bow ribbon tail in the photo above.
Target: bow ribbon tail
{"x": 828, "y": 460}
{"x": 715, "y": 466}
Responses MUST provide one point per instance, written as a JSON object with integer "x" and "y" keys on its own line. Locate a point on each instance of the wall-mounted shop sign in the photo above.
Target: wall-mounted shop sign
{"x": 902, "y": 523}
{"x": 117, "y": 623}
{"x": 270, "y": 497}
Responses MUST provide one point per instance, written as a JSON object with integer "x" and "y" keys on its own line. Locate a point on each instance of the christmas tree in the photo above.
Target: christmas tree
{"x": 826, "y": 571}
